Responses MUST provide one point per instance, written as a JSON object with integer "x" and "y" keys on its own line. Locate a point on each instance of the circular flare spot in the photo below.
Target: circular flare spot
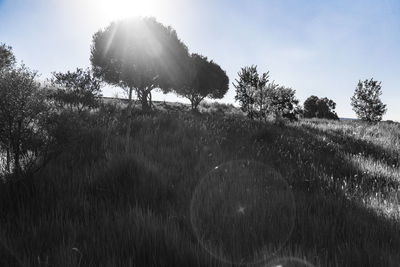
{"x": 242, "y": 212}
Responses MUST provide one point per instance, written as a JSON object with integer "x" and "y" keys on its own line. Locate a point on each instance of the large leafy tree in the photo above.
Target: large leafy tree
{"x": 251, "y": 91}
{"x": 7, "y": 58}
{"x": 204, "y": 79}
{"x": 78, "y": 90}
{"x": 23, "y": 110}
{"x": 366, "y": 101}
{"x": 139, "y": 54}
{"x": 315, "y": 107}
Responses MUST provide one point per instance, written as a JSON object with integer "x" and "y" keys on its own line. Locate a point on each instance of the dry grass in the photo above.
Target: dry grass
{"x": 95, "y": 205}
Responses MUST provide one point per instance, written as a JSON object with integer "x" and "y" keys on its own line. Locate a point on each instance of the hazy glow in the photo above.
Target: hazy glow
{"x": 119, "y": 9}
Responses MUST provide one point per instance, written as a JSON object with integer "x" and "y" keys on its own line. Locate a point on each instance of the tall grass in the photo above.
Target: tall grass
{"x": 97, "y": 205}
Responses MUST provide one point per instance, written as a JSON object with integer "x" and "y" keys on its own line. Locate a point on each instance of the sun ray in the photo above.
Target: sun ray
{"x": 119, "y": 9}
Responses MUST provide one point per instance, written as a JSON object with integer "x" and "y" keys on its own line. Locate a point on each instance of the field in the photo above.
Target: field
{"x": 334, "y": 194}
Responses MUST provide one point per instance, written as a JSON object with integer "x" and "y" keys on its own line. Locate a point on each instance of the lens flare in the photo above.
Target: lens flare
{"x": 243, "y": 212}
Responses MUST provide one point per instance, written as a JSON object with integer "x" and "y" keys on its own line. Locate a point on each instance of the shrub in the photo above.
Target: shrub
{"x": 23, "y": 114}
{"x": 323, "y": 108}
{"x": 77, "y": 90}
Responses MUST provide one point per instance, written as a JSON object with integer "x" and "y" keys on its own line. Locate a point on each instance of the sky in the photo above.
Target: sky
{"x": 320, "y": 48}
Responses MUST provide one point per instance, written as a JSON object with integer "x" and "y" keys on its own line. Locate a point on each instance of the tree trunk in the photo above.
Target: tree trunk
{"x": 150, "y": 100}
{"x": 17, "y": 165}
{"x": 195, "y": 101}
{"x": 17, "y": 150}
{"x": 192, "y": 104}
{"x": 195, "y": 105}
{"x": 261, "y": 106}
{"x": 129, "y": 124}
{"x": 8, "y": 159}
{"x": 144, "y": 102}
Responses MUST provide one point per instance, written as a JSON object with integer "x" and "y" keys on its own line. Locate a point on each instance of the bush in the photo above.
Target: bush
{"x": 322, "y": 108}
{"x": 76, "y": 91}
{"x": 23, "y": 115}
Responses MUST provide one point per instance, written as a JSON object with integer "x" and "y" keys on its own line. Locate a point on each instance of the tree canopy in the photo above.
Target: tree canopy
{"x": 7, "y": 58}
{"x": 204, "y": 79}
{"x": 139, "y": 54}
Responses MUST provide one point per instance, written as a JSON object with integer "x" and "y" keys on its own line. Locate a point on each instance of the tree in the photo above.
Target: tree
{"x": 366, "y": 101}
{"x": 7, "y": 58}
{"x": 139, "y": 54}
{"x": 315, "y": 107}
{"x": 251, "y": 91}
{"x": 260, "y": 98}
{"x": 205, "y": 79}
{"x": 23, "y": 108}
{"x": 78, "y": 90}
{"x": 282, "y": 101}
{"x": 311, "y": 107}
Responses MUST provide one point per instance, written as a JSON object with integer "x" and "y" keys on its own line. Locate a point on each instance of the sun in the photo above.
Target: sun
{"x": 120, "y": 9}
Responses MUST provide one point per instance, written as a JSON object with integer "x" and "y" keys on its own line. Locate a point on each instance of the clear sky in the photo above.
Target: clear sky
{"x": 316, "y": 47}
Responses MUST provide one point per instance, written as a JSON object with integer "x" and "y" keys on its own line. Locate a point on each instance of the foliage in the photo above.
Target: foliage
{"x": 139, "y": 54}
{"x": 77, "y": 90}
{"x": 23, "y": 112}
{"x": 366, "y": 101}
{"x": 282, "y": 101}
{"x": 221, "y": 109}
{"x": 251, "y": 92}
{"x": 322, "y": 108}
{"x": 7, "y": 58}
{"x": 205, "y": 79}
{"x": 260, "y": 98}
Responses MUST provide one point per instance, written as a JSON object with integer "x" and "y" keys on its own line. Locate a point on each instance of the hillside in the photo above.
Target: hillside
{"x": 332, "y": 188}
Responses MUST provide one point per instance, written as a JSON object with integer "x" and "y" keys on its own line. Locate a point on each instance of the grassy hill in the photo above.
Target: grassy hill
{"x": 96, "y": 204}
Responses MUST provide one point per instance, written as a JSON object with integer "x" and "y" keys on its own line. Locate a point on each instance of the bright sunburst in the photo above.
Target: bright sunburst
{"x": 119, "y": 9}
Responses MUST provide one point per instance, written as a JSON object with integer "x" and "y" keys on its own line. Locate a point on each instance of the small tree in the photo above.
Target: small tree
{"x": 315, "y": 107}
{"x": 251, "y": 91}
{"x": 282, "y": 102}
{"x": 205, "y": 79}
{"x": 23, "y": 108}
{"x": 7, "y": 58}
{"x": 78, "y": 90}
{"x": 260, "y": 98}
{"x": 366, "y": 101}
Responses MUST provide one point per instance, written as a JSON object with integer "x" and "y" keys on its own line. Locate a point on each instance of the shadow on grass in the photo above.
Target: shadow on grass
{"x": 369, "y": 183}
{"x": 340, "y": 229}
